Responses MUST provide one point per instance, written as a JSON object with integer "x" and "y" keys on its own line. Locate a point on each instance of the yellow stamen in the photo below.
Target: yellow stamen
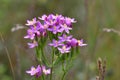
{"x": 65, "y": 26}
{"x": 65, "y": 36}
{"x": 54, "y": 27}
{"x": 34, "y": 42}
{"x": 51, "y": 21}
{"x": 34, "y": 26}
{"x": 33, "y": 69}
{"x": 64, "y": 47}
{"x": 79, "y": 42}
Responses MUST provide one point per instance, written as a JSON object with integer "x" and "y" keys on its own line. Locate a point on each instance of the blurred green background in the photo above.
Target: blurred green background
{"x": 92, "y": 17}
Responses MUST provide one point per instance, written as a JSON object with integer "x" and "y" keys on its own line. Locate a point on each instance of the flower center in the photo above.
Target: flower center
{"x": 64, "y": 48}
{"x": 34, "y": 26}
{"x": 31, "y": 32}
{"x": 65, "y": 26}
{"x": 31, "y": 22}
{"x": 54, "y": 27}
{"x": 65, "y": 36}
{"x": 33, "y": 69}
{"x": 45, "y": 26}
{"x": 79, "y": 42}
{"x": 51, "y": 21}
{"x": 56, "y": 42}
{"x": 34, "y": 42}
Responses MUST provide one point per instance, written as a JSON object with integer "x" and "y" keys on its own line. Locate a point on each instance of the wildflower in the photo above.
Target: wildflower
{"x": 46, "y": 71}
{"x": 59, "y": 19}
{"x": 64, "y": 37}
{"x": 80, "y": 43}
{"x": 45, "y": 26}
{"x": 30, "y": 34}
{"x": 36, "y": 27}
{"x": 43, "y": 29}
{"x": 48, "y": 19}
{"x": 44, "y": 17}
{"x": 65, "y": 28}
{"x": 55, "y": 43}
{"x": 54, "y": 29}
{"x": 35, "y": 71}
{"x": 32, "y": 45}
{"x": 69, "y": 21}
{"x": 64, "y": 49}
{"x": 32, "y": 22}
{"x": 73, "y": 42}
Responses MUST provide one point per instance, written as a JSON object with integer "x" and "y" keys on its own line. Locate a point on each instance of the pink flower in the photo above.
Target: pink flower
{"x": 65, "y": 28}
{"x": 35, "y": 71}
{"x": 56, "y": 43}
{"x": 32, "y": 22}
{"x": 64, "y": 37}
{"x": 46, "y": 71}
{"x": 38, "y": 71}
{"x": 80, "y": 43}
{"x": 30, "y": 34}
{"x": 64, "y": 49}
{"x": 32, "y": 45}
{"x": 69, "y": 21}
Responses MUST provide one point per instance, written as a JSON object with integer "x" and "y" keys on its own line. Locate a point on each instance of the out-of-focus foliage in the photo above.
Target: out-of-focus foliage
{"x": 92, "y": 17}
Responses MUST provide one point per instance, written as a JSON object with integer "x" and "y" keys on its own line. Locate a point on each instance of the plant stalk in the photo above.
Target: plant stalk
{"x": 52, "y": 65}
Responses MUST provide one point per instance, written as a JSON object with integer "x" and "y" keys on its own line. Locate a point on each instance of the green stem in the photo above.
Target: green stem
{"x": 39, "y": 59}
{"x": 39, "y": 55}
{"x": 57, "y": 60}
{"x": 52, "y": 65}
{"x": 43, "y": 78}
{"x": 67, "y": 66}
{"x": 44, "y": 58}
{"x": 63, "y": 75}
{"x": 64, "y": 72}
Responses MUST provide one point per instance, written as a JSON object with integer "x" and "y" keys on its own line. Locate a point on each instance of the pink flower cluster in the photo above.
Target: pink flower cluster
{"x": 65, "y": 43}
{"x": 52, "y": 23}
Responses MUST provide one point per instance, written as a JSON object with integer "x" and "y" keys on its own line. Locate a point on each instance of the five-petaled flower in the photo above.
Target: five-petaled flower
{"x": 80, "y": 43}
{"x": 35, "y": 71}
{"x": 54, "y": 29}
{"x": 55, "y": 43}
{"x": 46, "y": 71}
{"x": 30, "y": 34}
{"x": 32, "y": 22}
{"x": 33, "y": 44}
{"x": 65, "y": 28}
{"x": 64, "y": 49}
{"x": 64, "y": 37}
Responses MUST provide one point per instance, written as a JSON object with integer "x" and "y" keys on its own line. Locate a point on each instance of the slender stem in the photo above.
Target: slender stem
{"x": 64, "y": 68}
{"x": 39, "y": 59}
{"x": 64, "y": 72}
{"x": 59, "y": 57}
{"x": 52, "y": 65}
{"x": 36, "y": 78}
{"x": 9, "y": 58}
{"x": 63, "y": 75}
{"x": 44, "y": 57}
{"x": 42, "y": 77}
{"x": 67, "y": 66}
